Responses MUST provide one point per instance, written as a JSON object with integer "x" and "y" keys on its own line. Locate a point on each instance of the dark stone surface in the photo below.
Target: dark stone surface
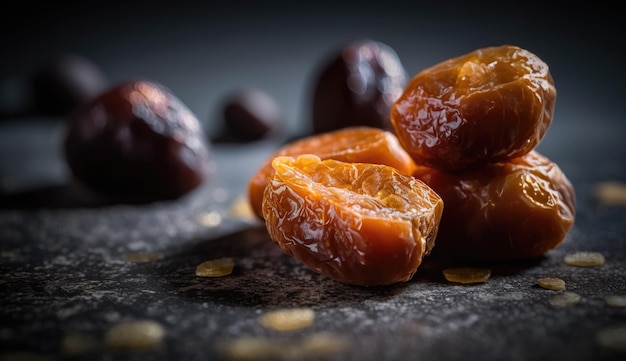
{"x": 62, "y": 249}
{"x": 64, "y": 273}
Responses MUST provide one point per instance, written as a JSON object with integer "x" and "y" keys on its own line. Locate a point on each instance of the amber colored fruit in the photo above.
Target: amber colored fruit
{"x": 352, "y": 144}
{"x": 357, "y": 223}
{"x": 518, "y": 209}
{"x": 357, "y": 86}
{"x": 137, "y": 139}
{"x": 487, "y": 106}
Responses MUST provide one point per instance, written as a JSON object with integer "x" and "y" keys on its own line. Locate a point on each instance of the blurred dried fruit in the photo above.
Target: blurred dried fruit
{"x": 357, "y": 86}
{"x": 251, "y": 114}
{"x": 65, "y": 83}
{"x": 135, "y": 336}
{"x": 487, "y": 106}
{"x": 353, "y": 144}
{"x": 288, "y": 319}
{"x": 565, "y": 299}
{"x": 357, "y": 223}
{"x": 518, "y": 209}
{"x": 138, "y": 140}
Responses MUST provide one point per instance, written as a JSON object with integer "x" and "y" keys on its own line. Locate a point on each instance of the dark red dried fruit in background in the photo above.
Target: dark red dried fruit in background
{"x": 357, "y": 87}
{"x": 65, "y": 83}
{"x": 249, "y": 115}
{"x": 138, "y": 139}
{"x": 486, "y": 106}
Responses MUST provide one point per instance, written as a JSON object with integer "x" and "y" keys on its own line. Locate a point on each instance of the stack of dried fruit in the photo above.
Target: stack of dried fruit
{"x": 472, "y": 124}
{"x": 360, "y": 209}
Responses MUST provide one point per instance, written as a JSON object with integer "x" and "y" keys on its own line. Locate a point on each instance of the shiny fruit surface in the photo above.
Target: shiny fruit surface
{"x": 357, "y": 223}
{"x": 513, "y": 210}
{"x": 352, "y": 144}
{"x": 487, "y": 106}
{"x": 137, "y": 139}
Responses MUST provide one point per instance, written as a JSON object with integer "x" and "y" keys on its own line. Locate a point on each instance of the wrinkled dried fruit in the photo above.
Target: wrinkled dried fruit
{"x": 139, "y": 140}
{"x": 358, "y": 223}
{"x": 518, "y": 209}
{"x": 357, "y": 87}
{"x": 354, "y": 144}
{"x": 487, "y": 106}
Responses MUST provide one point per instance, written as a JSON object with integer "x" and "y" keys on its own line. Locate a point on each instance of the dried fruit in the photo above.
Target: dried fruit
{"x": 216, "y": 267}
{"x": 288, "y": 319}
{"x": 358, "y": 223}
{"x": 354, "y": 144}
{"x": 584, "y": 259}
{"x": 487, "y": 106}
{"x": 551, "y": 283}
{"x": 250, "y": 114}
{"x": 467, "y": 275}
{"x": 357, "y": 87}
{"x": 138, "y": 140}
{"x": 518, "y": 209}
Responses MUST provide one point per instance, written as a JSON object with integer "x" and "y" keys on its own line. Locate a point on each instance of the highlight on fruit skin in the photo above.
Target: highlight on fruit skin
{"x": 357, "y": 223}
{"x": 490, "y": 105}
{"x": 514, "y": 210}
{"x": 361, "y": 144}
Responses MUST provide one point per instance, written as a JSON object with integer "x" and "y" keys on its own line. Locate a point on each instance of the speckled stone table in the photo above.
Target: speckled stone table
{"x": 66, "y": 276}
{"x": 70, "y": 267}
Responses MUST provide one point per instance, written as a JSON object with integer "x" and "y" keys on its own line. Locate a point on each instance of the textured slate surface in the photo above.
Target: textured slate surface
{"x": 62, "y": 267}
{"x": 64, "y": 273}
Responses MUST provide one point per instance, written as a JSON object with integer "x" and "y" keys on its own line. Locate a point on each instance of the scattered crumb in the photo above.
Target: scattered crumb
{"x": 288, "y": 319}
{"x": 142, "y": 257}
{"x": 467, "y": 275}
{"x": 551, "y": 283}
{"x": 77, "y": 344}
{"x": 135, "y": 336}
{"x": 241, "y": 208}
{"x": 216, "y": 268}
{"x": 616, "y": 300}
{"x": 565, "y": 299}
{"x": 612, "y": 338}
{"x": 315, "y": 346}
{"x": 584, "y": 259}
{"x": 210, "y": 219}
{"x": 610, "y": 193}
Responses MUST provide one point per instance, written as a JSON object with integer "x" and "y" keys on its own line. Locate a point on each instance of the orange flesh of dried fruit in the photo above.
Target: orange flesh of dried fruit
{"x": 354, "y": 144}
{"x": 358, "y": 223}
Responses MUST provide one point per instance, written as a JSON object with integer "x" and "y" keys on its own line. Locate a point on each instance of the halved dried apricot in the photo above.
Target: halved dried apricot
{"x": 353, "y": 144}
{"x": 518, "y": 209}
{"x": 357, "y": 223}
{"x": 487, "y": 106}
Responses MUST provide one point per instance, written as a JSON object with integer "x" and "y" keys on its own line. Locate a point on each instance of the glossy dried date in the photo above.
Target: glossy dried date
{"x": 486, "y": 106}
{"x": 137, "y": 140}
{"x": 519, "y": 209}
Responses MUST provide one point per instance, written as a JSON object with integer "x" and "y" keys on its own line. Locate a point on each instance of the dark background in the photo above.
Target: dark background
{"x": 60, "y": 266}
